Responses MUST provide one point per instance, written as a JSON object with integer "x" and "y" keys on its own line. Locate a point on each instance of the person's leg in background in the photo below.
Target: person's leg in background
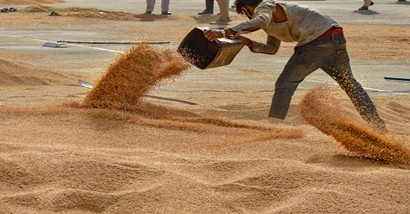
{"x": 150, "y": 6}
{"x": 209, "y": 7}
{"x": 165, "y": 7}
{"x": 366, "y": 4}
{"x": 224, "y": 12}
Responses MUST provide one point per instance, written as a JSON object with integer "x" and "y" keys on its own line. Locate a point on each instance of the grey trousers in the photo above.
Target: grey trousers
{"x": 151, "y": 5}
{"x": 330, "y": 55}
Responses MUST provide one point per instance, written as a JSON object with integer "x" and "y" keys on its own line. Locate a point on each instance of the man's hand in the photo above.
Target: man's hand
{"x": 212, "y": 35}
{"x": 245, "y": 41}
{"x": 229, "y": 33}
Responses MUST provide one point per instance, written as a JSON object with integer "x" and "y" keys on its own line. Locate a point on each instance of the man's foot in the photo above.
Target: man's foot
{"x": 165, "y": 13}
{"x": 205, "y": 12}
{"x": 220, "y": 21}
{"x": 364, "y": 8}
{"x": 379, "y": 126}
{"x": 147, "y": 12}
{"x": 277, "y": 121}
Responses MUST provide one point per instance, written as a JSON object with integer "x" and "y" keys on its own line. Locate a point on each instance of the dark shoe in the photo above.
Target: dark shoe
{"x": 364, "y": 8}
{"x": 205, "y": 12}
{"x": 371, "y": 3}
{"x": 148, "y": 12}
{"x": 166, "y": 13}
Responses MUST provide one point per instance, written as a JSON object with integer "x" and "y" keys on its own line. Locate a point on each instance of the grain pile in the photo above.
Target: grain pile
{"x": 56, "y": 158}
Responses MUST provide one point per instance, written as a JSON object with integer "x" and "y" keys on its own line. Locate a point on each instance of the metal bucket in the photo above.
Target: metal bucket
{"x": 203, "y": 53}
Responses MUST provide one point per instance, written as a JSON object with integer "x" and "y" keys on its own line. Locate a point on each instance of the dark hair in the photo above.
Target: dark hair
{"x": 239, "y": 4}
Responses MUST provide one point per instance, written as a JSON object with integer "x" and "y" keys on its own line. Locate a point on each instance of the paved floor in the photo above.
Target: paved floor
{"x": 383, "y": 12}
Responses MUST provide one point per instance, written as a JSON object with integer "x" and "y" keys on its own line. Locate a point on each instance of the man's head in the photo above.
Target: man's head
{"x": 246, "y": 6}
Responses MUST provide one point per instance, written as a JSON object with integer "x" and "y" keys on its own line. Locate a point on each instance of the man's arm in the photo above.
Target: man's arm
{"x": 263, "y": 15}
{"x": 270, "y": 47}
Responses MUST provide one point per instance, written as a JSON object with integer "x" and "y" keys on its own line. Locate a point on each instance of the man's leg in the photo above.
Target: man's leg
{"x": 341, "y": 72}
{"x": 297, "y": 68}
